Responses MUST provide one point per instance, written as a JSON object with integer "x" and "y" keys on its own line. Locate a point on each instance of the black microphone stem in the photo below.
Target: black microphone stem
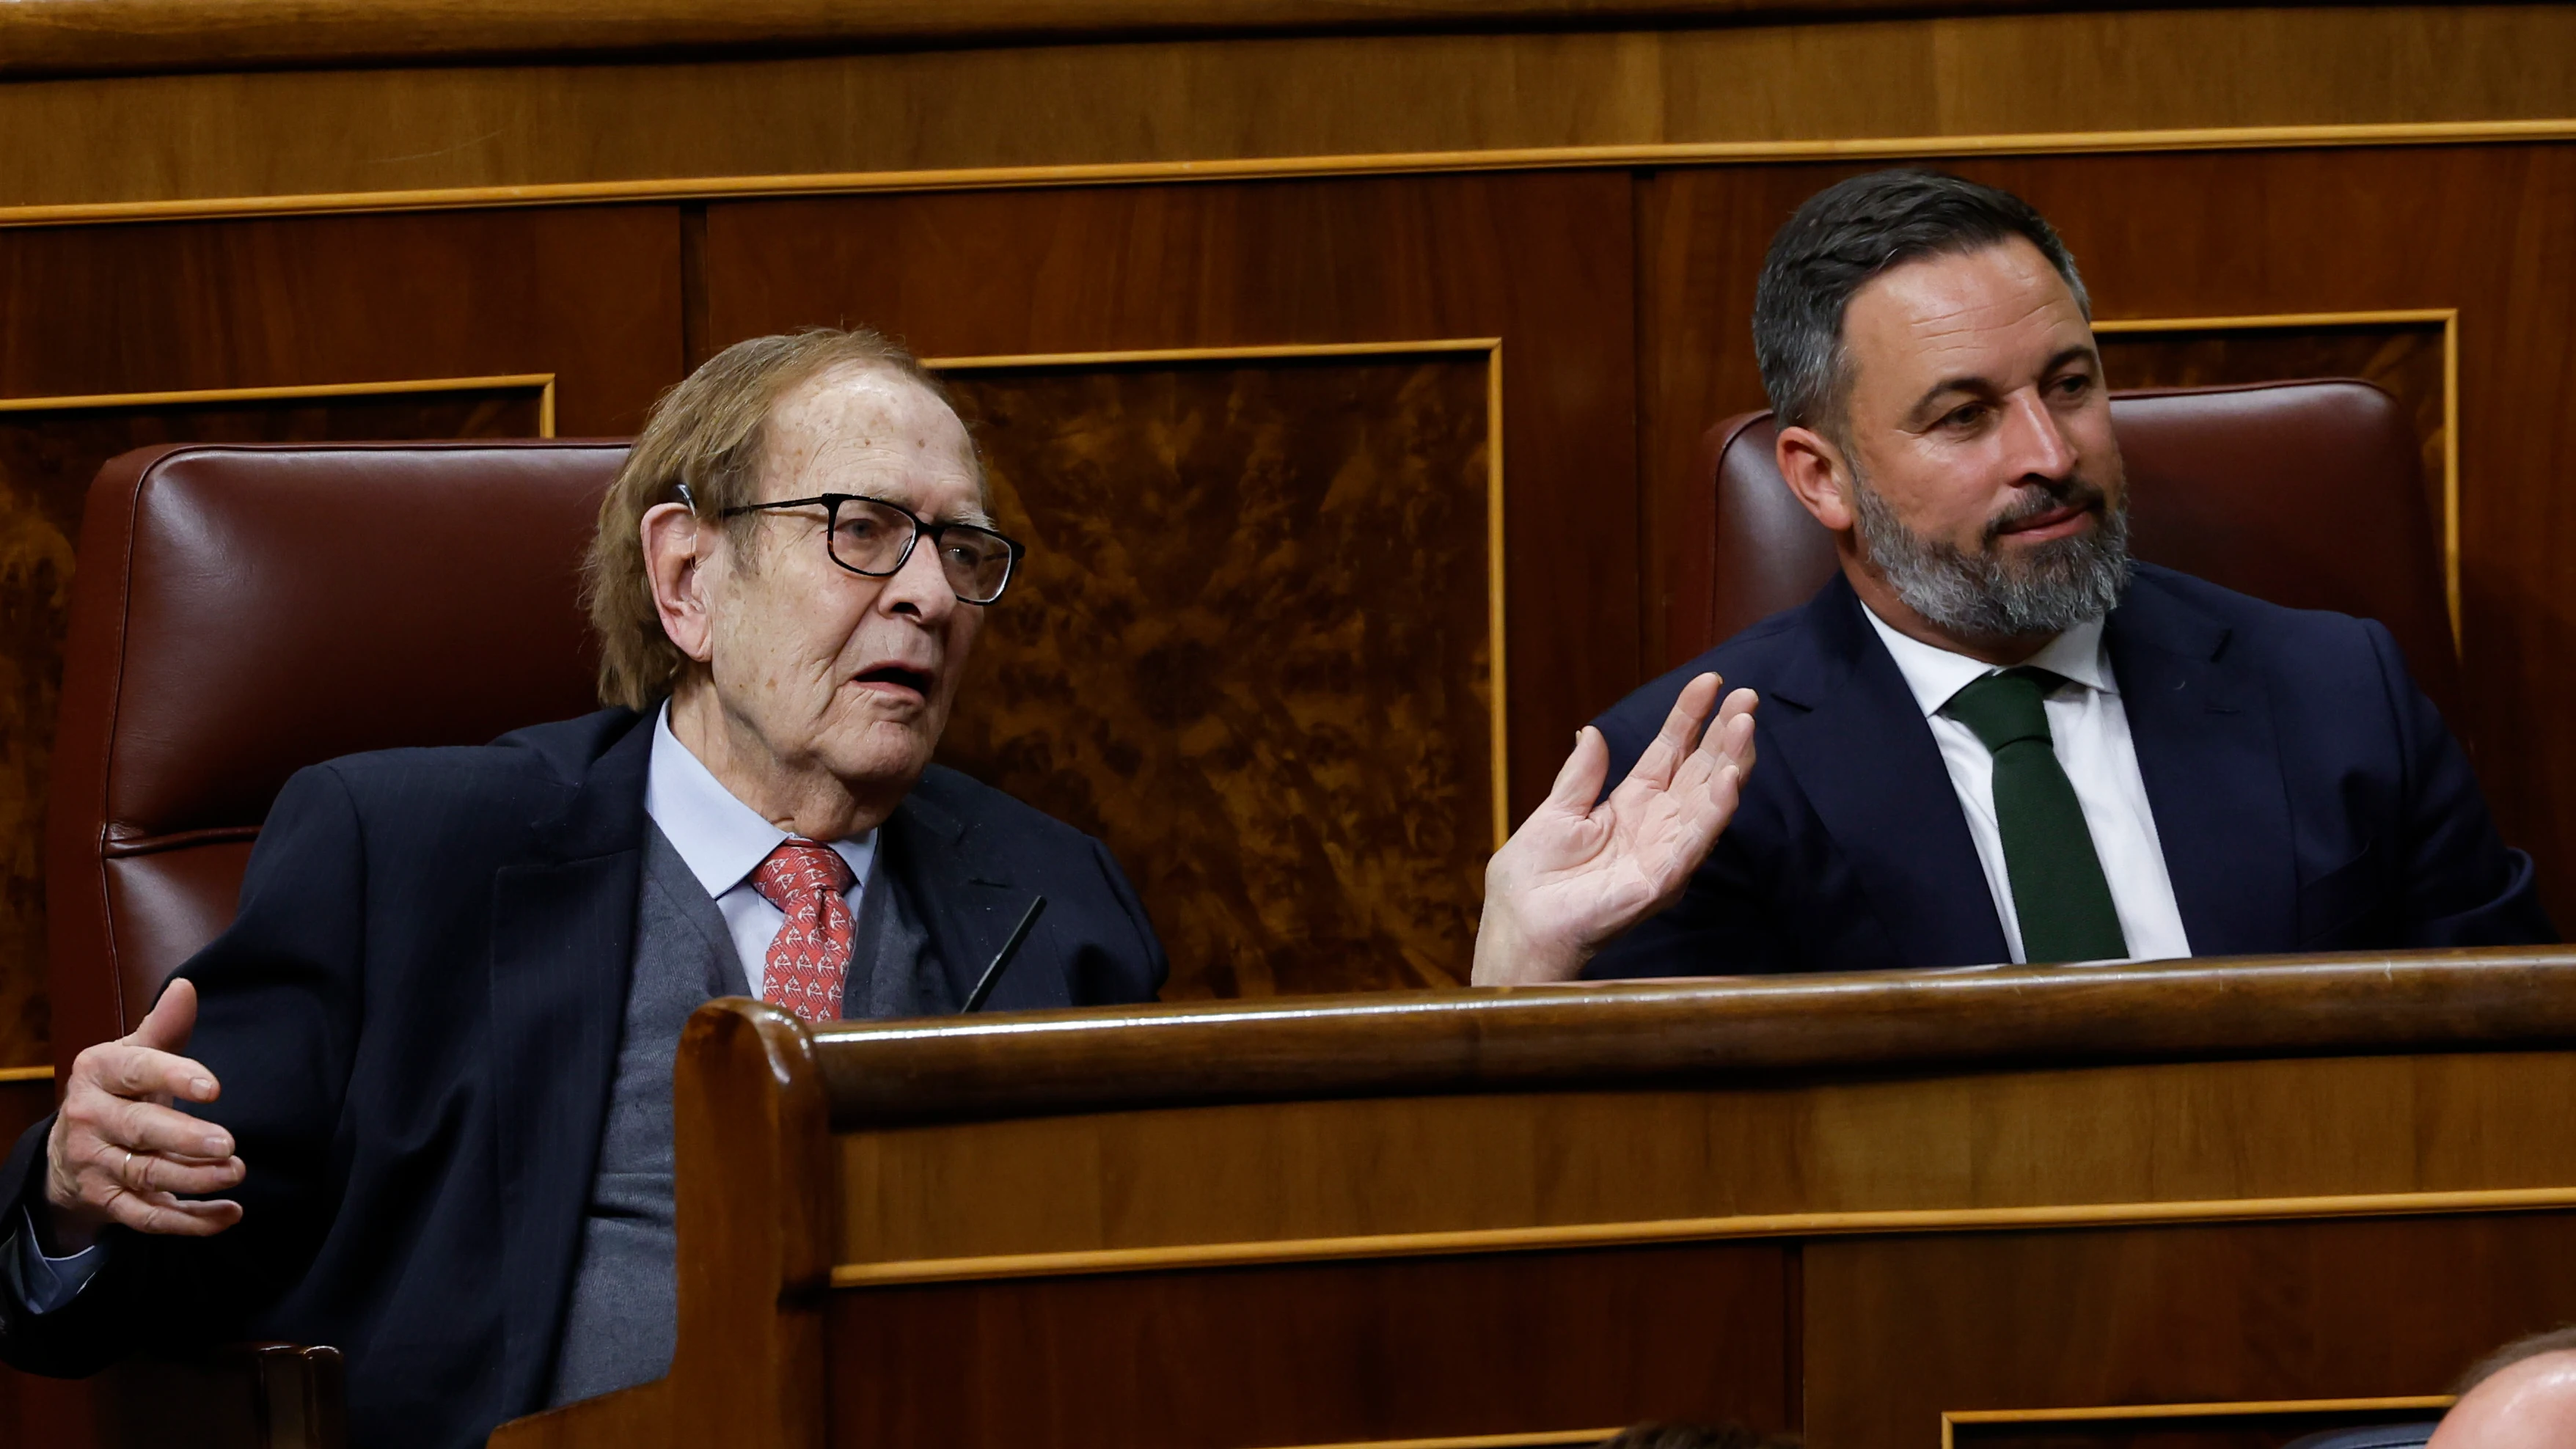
{"x": 1010, "y": 948}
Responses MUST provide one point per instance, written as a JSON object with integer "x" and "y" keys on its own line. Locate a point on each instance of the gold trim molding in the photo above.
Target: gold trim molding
{"x": 2447, "y": 318}
{"x": 1490, "y": 348}
{"x": 543, "y": 382}
{"x": 1563, "y": 1439}
{"x": 1688, "y": 1230}
{"x": 993, "y": 178}
{"x": 2397, "y": 1405}
{"x": 26, "y": 1074}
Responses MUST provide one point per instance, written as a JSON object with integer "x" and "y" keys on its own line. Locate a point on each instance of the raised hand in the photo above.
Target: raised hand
{"x": 1577, "y": 873}
{"x": 120, "y": 1152}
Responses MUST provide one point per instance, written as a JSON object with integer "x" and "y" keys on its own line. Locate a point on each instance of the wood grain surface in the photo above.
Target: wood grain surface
{"x": 1250, "y": 649}
{"x": 1771, "y": 1159}
{"x": 40, "y": 37}
{"x": 1318, "y": 1355}
{"x": 1539, "y": 261}
{"x": 352, "y": 132}
{"x": 1899, "y": 1331}
{"x": 590, "y": 295}
{"x": 2268, "y": 1427}
{"x": 1745, "y": 1029}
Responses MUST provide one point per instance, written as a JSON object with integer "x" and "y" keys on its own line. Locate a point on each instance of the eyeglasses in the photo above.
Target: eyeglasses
{"x": 873, "y": 537}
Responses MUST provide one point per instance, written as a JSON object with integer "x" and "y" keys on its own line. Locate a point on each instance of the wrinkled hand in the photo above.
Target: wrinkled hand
{"x": 120, "y": 1152}
{"x": 1577, "y": 873}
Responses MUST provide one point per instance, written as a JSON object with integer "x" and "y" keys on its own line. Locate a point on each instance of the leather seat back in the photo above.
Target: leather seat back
{"x": 240, "y": 612}
{"x": 2308, "y": 494}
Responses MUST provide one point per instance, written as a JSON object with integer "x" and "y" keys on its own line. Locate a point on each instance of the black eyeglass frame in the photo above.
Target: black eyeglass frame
{"x": 831, "y": 503}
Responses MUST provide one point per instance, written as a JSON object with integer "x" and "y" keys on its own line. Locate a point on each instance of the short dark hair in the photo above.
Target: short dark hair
{"x": 1850, "y": 232}
{"x": 2556, "y": 1340}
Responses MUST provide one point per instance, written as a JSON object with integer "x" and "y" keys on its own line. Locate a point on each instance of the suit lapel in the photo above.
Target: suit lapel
{"x": 969, "y": 902}
{"x": 563, "y": 929}
{"x": 1857, "y": 745}
{"x": 2207, "y": 752}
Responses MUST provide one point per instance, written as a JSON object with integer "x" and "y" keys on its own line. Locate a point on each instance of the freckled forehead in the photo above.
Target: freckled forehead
{"x": 1993, "y": 313}
{"x": 871, "y": 431}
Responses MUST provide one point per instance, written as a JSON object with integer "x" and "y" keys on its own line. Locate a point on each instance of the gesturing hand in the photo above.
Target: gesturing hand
{"x": 119, "y": 1151}
{"x": 1578, "y": 873}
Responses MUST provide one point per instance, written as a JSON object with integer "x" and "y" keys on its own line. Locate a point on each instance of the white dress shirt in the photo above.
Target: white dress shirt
{"x": 723, "y": 841}
{"x": 2090, "y": 730}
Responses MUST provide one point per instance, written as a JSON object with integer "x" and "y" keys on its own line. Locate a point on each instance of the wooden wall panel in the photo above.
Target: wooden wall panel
{"x": 589, "y": 296}
{"x": 1250, "y": 644}
{"x": 2233, "y": 234}
{"x": 2268, "y": 1427}
{"x": 1539, "y": 261}
{"x": 1318, "y": 1354}
{"x": 271, "y": 133}
{"x": 1902, "y": 1330}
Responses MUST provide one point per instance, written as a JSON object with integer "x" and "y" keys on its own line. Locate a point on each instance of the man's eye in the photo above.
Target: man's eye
{"x": 1965, "y": 417}
{"x": 2075, "y": 386}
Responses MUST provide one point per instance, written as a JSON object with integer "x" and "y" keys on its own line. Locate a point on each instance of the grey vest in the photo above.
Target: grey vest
{"x": 623, "y": 1320}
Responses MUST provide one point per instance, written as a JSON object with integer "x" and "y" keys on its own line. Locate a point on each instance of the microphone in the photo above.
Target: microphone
{"x": 993, "y": 973}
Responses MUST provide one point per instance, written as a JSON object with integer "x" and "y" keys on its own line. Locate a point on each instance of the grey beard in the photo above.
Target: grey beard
{"x": 2051, "y": 589}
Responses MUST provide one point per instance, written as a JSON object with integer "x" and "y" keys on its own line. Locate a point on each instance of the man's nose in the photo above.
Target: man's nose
{"x": 2034, "y": 445}
{"x": 920, "y": 587}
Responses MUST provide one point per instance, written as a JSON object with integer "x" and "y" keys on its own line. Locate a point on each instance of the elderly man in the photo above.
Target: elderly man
{"x": 1992, "y": 737}
{"x": 427, "y": 1072}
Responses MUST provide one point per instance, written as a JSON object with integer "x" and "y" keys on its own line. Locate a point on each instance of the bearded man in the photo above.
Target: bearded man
{"x": 1993, "y": 737}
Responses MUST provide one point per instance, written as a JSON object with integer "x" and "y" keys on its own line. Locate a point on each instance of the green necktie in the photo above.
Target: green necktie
{"x": 2058, "y": 892}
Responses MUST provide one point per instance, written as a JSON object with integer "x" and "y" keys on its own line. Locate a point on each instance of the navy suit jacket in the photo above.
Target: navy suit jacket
{"x": 415, "y": 1018}
{"x": 2305, "y": 792}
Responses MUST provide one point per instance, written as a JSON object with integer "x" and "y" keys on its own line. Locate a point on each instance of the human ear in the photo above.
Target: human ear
{"x": 678, "y": 577}
{"x": 1817, "y": 475}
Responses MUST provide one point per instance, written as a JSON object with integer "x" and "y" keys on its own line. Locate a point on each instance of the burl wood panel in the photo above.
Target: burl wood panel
{"x": 2484, "y": 230}
{"x": 47, "y": 458}
{"x": 1540, "y": 260}
{"x": 588, "y": 295}
{"x": 1249, "y": 650}
{"x": 1317, "y": 1353}
{"x": 1899, "y": 1330}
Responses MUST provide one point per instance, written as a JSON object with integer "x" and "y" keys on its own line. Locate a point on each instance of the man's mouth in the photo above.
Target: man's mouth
{"x": 2043, "y": 515}
{"x": 896, "y": 677}
{"x": 2057, "y": 522}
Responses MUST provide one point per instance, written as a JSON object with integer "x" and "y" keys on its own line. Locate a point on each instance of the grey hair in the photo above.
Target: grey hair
{"x": 1849, "y": 233}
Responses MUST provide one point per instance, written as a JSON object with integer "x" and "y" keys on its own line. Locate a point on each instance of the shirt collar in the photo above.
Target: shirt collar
{"x": 1934, "y": 674}
{"x": 721, "y": 839}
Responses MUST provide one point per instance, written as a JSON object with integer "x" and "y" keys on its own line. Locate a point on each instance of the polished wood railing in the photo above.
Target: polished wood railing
{"x": 1860, "y": 1205}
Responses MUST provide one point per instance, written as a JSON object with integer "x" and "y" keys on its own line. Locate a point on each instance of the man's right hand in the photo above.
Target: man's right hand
{"x": 120, "y": 1152}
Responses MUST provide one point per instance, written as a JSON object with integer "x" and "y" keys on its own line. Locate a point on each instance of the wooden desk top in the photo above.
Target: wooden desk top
{"x": 1422, "y": 1043}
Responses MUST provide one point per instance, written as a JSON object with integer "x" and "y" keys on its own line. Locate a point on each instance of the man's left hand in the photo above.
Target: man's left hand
{"x": 1578, "y": 873}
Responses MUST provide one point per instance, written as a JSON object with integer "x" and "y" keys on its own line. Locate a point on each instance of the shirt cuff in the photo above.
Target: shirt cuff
{"x": 38, "y": 1283}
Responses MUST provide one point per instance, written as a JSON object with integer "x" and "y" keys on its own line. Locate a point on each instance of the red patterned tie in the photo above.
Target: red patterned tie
{"x": 810, "y": 955}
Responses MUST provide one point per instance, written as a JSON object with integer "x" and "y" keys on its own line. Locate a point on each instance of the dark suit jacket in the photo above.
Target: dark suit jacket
{"x": 415, "y": 1019}
{"x": 2305, "y": 792}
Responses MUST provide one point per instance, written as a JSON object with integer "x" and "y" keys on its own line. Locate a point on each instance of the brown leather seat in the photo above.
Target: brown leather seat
{"x": 2308, "y": 494}
{"x": 243, "y": 611}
